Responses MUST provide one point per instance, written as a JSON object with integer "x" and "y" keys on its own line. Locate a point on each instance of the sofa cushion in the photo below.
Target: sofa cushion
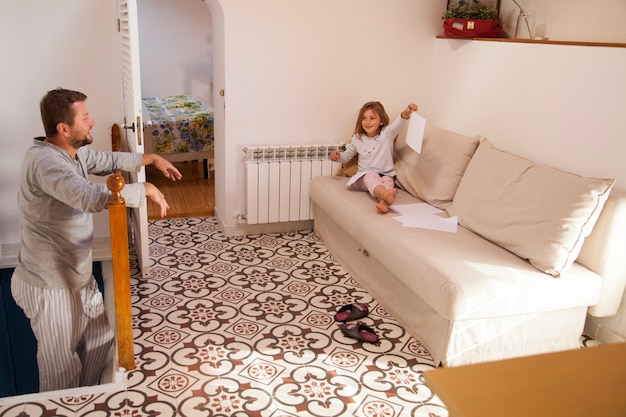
{"x": 434, "y": 174}
{"x": 537, "y": 212}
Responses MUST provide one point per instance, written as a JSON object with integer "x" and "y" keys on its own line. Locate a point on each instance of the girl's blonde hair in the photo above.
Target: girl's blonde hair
{"x": 377, "y": 108}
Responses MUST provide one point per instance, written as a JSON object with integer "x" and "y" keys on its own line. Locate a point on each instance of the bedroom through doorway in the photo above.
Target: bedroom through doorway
{"x": 176, "y": 58}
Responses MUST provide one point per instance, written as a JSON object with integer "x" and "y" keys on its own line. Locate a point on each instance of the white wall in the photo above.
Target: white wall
{"x": 555, "y": 104}
{"x": 571, "y": 20}
{"x": 176, "y": 48}
{"x": 64, "y": 43}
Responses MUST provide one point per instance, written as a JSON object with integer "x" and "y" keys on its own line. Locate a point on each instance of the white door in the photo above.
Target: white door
{"x": 131, "y": 80}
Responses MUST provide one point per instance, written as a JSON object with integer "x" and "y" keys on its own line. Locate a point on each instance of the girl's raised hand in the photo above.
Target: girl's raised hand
{"x": 406, "y": 113}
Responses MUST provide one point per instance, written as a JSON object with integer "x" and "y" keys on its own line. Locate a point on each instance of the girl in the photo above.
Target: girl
{"x": 373, "y": 140}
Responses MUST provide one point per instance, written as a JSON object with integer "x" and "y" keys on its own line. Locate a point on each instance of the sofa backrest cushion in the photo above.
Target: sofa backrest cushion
{"x": 603, "y": 253}
{"x": 538, "y": 212}
{"x": 434, "y": 174}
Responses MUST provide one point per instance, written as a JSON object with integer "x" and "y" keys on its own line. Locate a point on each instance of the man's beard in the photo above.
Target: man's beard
{"x": 79, "y": 143}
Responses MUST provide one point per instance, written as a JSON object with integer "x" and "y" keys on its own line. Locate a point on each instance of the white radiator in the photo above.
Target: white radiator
{"x": 278, "y": 180}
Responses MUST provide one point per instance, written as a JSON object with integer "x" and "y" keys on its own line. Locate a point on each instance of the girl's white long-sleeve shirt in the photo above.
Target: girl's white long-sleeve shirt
{"x": 375, "y": 153}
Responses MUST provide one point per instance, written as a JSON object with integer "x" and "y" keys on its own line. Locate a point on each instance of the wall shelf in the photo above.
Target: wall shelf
{"x": 540, "y": 41}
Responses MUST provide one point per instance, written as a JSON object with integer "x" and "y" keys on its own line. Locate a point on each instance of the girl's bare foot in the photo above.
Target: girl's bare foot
{"x": 389, "y": 196}
{"x": 386, "y": 198}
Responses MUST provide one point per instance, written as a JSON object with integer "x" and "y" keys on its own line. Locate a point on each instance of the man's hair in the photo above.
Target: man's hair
{"x": 56, "y": 107}
{"x": 377, "y": 108}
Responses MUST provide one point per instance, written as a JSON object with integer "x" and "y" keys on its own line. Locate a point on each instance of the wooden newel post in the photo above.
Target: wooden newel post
{"x": 121, "y": 272}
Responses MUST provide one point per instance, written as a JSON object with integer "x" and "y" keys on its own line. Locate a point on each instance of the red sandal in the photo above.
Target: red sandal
{"x": 351, "y": 312}
{"x": 360, "y": 332}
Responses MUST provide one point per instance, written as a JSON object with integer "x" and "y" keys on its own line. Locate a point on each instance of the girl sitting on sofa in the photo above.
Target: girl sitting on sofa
{"x": 372, "y": 141}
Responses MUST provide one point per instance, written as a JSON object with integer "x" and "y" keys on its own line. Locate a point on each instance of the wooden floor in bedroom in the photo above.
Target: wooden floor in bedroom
{"x": 192, "y": 196}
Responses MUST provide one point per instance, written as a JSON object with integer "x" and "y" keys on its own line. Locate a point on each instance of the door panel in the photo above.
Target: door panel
{"x": 131, "y": 80}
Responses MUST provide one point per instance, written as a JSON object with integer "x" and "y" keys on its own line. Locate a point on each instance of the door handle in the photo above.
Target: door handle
{"x": 138, "y": 131}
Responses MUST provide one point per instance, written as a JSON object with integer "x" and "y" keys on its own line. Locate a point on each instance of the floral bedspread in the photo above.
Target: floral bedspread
{"x": 179, "y": 124}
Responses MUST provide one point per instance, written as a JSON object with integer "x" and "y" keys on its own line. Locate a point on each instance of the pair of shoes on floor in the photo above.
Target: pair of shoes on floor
{"x": 359, "y": 331}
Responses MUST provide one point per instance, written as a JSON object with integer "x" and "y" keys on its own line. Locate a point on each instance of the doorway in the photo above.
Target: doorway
{"x": 176, "y": 57}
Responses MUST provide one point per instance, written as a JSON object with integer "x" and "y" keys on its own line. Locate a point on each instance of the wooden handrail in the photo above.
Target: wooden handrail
{"x": 121, "y": 272}
{"x": 121, "y": 262}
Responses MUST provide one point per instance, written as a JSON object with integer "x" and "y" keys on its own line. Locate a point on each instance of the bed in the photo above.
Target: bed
{"x": 179, "y": 128}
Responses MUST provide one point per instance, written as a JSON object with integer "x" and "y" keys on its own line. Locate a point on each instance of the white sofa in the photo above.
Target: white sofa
{"x": 514, "y": 280}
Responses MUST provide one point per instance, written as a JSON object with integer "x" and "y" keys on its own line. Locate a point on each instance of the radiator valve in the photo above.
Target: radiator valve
{"x": 241, "y": 218}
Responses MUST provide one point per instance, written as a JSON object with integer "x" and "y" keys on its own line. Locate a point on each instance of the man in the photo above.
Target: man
{"x": 53, "y": 281}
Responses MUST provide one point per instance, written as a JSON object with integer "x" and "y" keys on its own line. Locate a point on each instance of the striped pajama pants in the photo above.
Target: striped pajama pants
{"x": 72, "y": 331}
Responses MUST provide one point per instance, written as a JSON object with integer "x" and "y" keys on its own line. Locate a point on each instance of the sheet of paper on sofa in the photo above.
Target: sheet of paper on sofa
{"x": 424, "y": 216}
{"x": 415, "y": 132}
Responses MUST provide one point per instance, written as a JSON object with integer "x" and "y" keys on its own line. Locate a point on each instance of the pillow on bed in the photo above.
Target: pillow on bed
{"x": 537, "y": 212}
{"x": 434, "y": 174}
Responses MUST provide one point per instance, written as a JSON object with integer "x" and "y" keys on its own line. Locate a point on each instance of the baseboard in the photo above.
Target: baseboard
{"x": 256, "y": 229}
{"x": 600, "y": 333}
{"x": 8, "y": 254}
{"x": 243, "y": 229}
{"x": 118, "y": 383}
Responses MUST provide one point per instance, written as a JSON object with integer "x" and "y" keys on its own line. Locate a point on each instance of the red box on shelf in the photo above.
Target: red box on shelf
{"x": 471, "y": 28}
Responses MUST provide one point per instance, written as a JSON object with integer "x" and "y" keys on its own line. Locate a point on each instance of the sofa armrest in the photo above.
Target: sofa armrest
{"x": 603, "y": 253}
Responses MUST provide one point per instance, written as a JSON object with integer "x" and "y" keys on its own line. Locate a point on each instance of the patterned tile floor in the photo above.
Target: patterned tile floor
{"x": 243, "y": 326}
